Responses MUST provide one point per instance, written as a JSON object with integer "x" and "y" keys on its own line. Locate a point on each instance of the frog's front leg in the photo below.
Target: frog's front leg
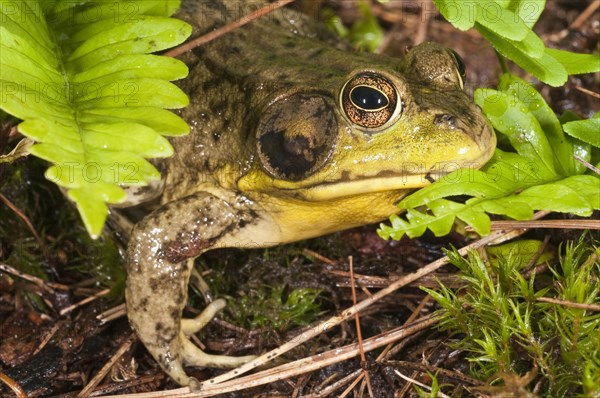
{"x": 158, "y": 273}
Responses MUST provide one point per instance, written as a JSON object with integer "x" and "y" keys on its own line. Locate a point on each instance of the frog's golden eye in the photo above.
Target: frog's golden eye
{"x": 369, "y": 100}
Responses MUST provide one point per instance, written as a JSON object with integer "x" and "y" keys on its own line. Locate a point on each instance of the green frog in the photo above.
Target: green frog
{"x": 292, "y": 137}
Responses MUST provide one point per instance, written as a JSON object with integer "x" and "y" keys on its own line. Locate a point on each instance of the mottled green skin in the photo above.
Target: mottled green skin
{"x": 232, "y": 79}
{"x": 219, "y": 193}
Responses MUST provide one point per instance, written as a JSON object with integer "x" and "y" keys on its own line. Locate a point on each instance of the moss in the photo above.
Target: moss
{"x": 508, "y": 328}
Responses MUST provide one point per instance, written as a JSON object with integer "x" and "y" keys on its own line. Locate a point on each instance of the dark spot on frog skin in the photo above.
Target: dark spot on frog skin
{"x": 216, "y": 136}
{"x": 211, "y": 84}
{"x": 139, "y": 191}
{"x": 165, "y": 334}
{"x": 175, "y": 313}
{"x": 318, "y": 52}
{"x": 232, "y": 51}
{"x": 178, "y": 251}
{"x": 155, "y": 283}
{"x": 321, "y": 113}
{"x": 226, "y": 124}
{"x": 218, "y": 106}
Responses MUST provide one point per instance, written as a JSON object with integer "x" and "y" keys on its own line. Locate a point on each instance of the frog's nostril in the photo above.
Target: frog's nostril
{"x": 444, "y": 118}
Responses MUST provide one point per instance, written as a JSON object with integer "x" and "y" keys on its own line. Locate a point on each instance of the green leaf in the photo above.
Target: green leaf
{"x": 546, "y": 68}
{"x": 164, "y": 122}
{"x": 149, "y": 34}
{"x": 563, "y": 148}
{"x": 459, "y": 14}
{"x": 542, "y": 197}
{"x": 128, "y": 67}
{"x": 510, "y": 116}
{"x": 501, "y": 21}
{"x": 587, "y": 187}
{"x": 80, "y": 76}
{"x": 131, "y": 93}
{"x": 508, "y": 207}
{"x": 531, "y": 45}
{"x": 366, "y": 34}
{"x": 141, "y": 139}
{"x": 575, "y": 63}
{"x": 528, "y": 11}
{"x": 91, "y": 202}
{"x": 507, "y": 25}
{"x": 585, "y": 130}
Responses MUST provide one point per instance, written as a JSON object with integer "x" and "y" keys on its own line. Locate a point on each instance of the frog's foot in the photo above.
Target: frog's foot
{"x": 158, "y": 272}
{"x": 193, "y": 355}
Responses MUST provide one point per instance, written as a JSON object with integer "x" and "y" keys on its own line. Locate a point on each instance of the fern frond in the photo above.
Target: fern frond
{"x": 81, "y": 77}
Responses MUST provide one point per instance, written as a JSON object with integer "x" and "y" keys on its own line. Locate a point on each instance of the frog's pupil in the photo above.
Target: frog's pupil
{"x": 368, "y": 98}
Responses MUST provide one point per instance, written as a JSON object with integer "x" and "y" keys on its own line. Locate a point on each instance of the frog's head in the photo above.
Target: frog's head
{"x": 379, "y": 129}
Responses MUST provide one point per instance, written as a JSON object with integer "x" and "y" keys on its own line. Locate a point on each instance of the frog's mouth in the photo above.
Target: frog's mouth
{"x": 384, "y": 181}
{"x": 408, "y": 176}
{"x": 365, "y": 185}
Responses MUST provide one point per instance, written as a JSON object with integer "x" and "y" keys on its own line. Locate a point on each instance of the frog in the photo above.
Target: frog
{"x": 292, "y": 136}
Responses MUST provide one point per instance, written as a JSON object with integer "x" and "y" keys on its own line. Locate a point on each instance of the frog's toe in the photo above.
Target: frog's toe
{"x": 175, "y": 370}
{"x": 194, "y": 325}
{"x": 194, "y": 356}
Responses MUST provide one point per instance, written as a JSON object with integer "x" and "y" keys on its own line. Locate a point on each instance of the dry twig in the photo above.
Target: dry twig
{"x": 25, "y": 219}
{"x": 566, "y": 224}
{"x": 588, "y": 12}
{"x": 12, "y": 385}
{"x": 363, "y": 357}
{"x": 570, "y": 304}
{"x": 85, "y": 392}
